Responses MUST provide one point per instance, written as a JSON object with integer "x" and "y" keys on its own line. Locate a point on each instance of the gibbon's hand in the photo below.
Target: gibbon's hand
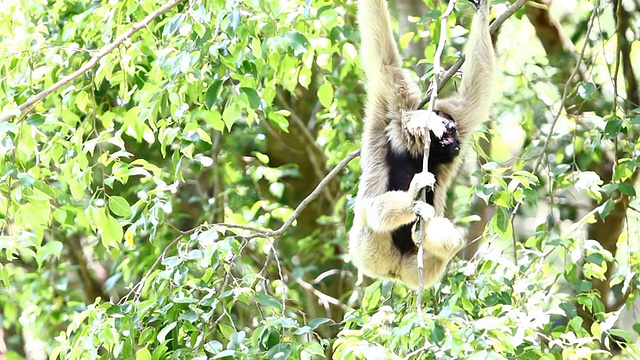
{"x": 418, "y": 123}
{"x": 420, "y": 181}
{"x": 424, "y": 210}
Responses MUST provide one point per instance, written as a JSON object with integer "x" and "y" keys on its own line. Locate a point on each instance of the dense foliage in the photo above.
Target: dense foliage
{"x": 153, "y": 205}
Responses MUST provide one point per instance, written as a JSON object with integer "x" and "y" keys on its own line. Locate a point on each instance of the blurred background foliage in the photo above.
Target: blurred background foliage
{"x": 148, "y": 206}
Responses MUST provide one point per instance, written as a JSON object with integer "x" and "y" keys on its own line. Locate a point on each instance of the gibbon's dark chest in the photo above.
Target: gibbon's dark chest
{"x": 402, "y": 167}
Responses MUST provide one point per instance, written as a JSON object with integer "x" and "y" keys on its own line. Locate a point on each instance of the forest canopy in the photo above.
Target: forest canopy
{"x": 177, "y": 181}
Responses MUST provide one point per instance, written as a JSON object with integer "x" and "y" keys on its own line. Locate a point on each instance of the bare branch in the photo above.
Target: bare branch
{"x": 314, "y": 194}
{"x": 89, "y": 65}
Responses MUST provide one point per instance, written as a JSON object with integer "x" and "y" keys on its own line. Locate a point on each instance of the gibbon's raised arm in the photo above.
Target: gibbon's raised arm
{"x": 378, "y": 43}
{"x": 470, "y": 106}
{"x": 382, "y": 238}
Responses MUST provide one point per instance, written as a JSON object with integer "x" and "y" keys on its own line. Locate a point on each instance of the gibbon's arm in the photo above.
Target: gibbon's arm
{"x": 389, "y": 211}
{"x": 380, "y": 56}
{"x": 470, "y": 106}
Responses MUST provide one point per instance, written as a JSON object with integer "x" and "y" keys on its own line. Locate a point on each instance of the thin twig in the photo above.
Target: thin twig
{"x": 89, "y": 65}
{"x": 314, "y": 194}
{"x": 322, "y": 297}
{"x": 137, "y": 288}
{"x": 427, "y": 144}
{"x": 495, "y": 25}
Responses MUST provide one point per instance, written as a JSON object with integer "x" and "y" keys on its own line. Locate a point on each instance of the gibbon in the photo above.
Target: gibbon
{"x": 382, "y": 240}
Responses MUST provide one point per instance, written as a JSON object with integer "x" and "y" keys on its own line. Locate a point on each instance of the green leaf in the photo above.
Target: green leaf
{"x": 484, "y": 191}
{"x": 267, "y": 301}
{"x": 254, "y": 98}
{"x": 189, "y": 315}
{"x": 613, "y": 127}
{"x": 119, "y": 206}
{"x": 230, "y": 114}
{"x": 304, "y": 76}
{"x": 82, "y": 100}
{"x": 5, "y": 276}
{"x": 315, "y": 348}
{"x": 627, "y": 189}
{"x": 33, "y": 120}
{"x": 146, "y": 335}
{"x": 26, "y": 179}
{"x": 317, "y": 322}
{"x": 280, "y": 352}
{"x": 606, "y": 208}
{"x": 621, "y": 334}
{"x": 372, "y": 296}
{"x": 279, "y": 120}
{"x": 162, "y": 335}
{"x": 325, "y": 94}
{"x": 110, "y": 229}
{"x": 173, "y": 25}
{"x": 214, "y": 119}
{"x": 569, "y": 309}
{"x": 53, "y": 248}
{"x": 297, "y": 41}
{"x": 501, "y": 223}
{"x": 212, "y": 94}
{"x": 582, "y": 286}
{"x": 586, "y": 90}
{"x": 143, "y": 354}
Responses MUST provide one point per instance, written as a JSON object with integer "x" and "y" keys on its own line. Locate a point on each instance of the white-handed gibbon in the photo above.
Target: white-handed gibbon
{"x": 382, "y": 240}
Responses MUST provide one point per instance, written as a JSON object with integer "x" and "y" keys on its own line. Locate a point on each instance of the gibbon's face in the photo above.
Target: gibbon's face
{"x": 445, "y": 149}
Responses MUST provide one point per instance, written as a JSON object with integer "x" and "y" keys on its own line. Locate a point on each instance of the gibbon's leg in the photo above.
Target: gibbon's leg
{"x": 470, "y": 106}
{"x": 433, "y": 269}
{"x": 386, "y": 212}
{"x": 441, "y": 238}
{"x": 441, "y": 242}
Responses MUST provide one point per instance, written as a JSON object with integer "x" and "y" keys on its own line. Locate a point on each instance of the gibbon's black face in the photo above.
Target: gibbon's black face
{"x": 445, "y": 149}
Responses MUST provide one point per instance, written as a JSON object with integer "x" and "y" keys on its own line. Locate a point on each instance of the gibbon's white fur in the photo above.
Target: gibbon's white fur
{"x": 381, "y": 241}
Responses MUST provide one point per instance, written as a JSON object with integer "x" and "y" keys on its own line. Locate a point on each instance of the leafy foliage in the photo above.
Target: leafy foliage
{"x": 149, "y": 207}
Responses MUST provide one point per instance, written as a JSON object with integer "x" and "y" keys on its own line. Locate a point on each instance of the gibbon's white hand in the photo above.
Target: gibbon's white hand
{"x": 420, "y": 181}
{"x": 424, "y": 210}
{"x": 418, "y": 123}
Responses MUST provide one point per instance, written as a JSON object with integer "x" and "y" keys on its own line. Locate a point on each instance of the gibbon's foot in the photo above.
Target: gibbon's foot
{"x": 424, "y": 210}
{"x": 420, "y": 181}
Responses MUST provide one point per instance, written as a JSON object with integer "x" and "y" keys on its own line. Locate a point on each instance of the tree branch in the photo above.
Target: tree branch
{"x": 89, "y": 65}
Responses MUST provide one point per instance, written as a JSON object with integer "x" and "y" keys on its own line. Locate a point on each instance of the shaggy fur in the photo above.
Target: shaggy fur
{"x": 381, "y": 242}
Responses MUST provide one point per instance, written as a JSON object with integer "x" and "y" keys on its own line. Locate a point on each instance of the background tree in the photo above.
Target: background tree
{"x": 175, "y": 180}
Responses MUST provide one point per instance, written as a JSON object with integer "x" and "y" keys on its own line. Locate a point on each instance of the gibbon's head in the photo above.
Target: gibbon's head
{"x": 445, "y": 148}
